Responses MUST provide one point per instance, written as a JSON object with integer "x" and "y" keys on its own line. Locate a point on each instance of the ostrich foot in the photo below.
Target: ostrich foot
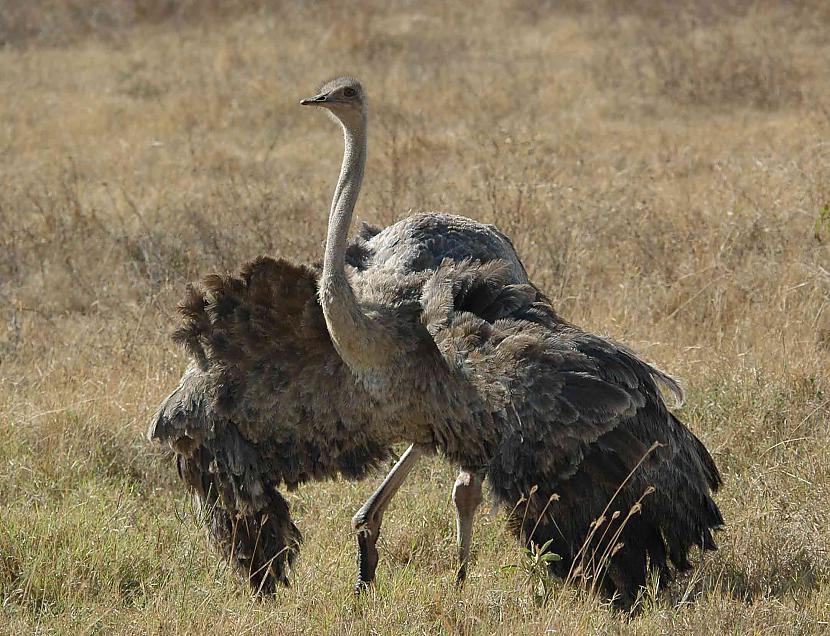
{"x": 368, "y": 529}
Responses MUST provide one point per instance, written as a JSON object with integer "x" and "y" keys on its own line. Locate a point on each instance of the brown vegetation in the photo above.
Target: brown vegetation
{"x": 664, "y": 173}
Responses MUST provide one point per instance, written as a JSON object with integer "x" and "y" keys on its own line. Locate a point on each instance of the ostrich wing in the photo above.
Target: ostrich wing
{"x": 573, "y": 416}
{"x": 243, "y": 334}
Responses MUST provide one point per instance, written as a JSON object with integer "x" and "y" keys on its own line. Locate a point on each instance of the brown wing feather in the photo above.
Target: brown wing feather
{"x": 246, "y": 414}
{"x": 575, "y": 415}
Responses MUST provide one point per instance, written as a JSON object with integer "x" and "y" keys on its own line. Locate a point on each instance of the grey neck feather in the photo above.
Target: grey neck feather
{"x": 360, "y": 340}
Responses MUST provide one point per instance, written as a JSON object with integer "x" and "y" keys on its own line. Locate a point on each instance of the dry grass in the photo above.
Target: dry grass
{"x": 663, "y": 174}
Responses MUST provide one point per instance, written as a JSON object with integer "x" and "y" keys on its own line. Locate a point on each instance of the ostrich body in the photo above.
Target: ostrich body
{"x": 445, "y": 345}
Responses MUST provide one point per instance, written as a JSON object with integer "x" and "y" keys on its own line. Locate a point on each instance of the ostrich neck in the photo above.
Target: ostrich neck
{"x": 360, "y": 341}
{"x": 344, "y": 200}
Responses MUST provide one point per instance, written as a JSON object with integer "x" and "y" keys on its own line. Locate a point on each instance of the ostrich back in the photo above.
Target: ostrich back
{"x": 423, "y": 241}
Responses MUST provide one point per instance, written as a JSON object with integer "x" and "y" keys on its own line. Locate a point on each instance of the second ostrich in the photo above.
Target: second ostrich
{"x": 435, "y": 342}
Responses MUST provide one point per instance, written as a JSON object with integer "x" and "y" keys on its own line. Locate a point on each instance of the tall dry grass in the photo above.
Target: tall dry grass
{"x": 664, "y": 173}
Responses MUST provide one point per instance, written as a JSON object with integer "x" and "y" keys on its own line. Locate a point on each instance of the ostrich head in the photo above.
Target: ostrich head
{"x": 343, "y": 97}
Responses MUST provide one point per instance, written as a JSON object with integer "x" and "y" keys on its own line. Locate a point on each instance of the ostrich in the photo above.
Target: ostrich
{"x": 433, "y": 340}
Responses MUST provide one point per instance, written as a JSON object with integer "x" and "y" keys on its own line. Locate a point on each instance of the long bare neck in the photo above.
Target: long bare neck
{"x": 360, "y": 340}
{"x": 344, "y": 200}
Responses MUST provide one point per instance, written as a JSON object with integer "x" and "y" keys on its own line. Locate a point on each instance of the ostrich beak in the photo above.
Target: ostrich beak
{"x": 319, "y": 100}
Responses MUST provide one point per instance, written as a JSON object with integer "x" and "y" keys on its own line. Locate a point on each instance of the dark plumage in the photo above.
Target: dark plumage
{"x": 433, "y": 336}
{"x": 507, "y": 386}
{"x": 581, "y": 416}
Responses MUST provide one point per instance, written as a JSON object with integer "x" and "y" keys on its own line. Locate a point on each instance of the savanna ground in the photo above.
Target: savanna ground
{"x": 663, "y": 171}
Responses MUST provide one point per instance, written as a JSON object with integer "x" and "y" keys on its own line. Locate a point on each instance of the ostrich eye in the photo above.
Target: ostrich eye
{"x": 349, "y": 92}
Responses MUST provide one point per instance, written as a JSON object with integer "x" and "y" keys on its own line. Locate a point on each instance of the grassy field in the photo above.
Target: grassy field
{"x": 664, "y": 173}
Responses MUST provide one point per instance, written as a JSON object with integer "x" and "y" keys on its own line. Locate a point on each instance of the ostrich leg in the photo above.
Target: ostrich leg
{"x": 466, "y": 495}
{"x": 366, "y": 522}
